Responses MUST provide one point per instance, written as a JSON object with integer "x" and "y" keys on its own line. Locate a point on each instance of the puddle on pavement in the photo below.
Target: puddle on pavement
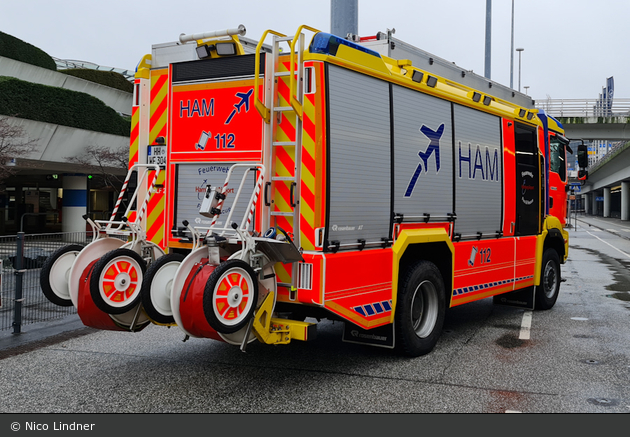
{"x": 621, "y": 275}
{"x": 510, "y": 341}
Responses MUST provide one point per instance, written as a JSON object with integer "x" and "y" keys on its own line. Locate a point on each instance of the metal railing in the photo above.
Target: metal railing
{"x": 583, "y": 108}
{"x": 22, "y": 301}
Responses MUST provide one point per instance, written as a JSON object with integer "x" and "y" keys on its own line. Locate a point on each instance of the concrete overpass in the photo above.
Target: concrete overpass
{"x": 607, "y": 190}
{"x": 612, "y": 128}
{"x": 583, "y": 118}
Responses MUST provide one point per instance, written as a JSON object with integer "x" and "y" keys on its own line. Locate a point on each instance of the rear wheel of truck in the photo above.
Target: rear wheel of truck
{"x": 420, "y": 309}
{"x": 547, "y": 291}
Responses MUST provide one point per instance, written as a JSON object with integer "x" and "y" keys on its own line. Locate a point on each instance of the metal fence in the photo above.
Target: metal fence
{"x": 583, "y": 108}
{"x": 22, "y": 301}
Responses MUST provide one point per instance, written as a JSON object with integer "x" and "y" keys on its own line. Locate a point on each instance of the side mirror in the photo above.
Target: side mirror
{"x": 582, "y": 156}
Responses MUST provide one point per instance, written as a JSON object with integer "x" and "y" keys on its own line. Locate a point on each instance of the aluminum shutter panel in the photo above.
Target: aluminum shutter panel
{"x": 360, "y": 157}
{"x": 478, "y": 172}
{"x": 423, "y": 141}
{"x": 192, "y": 180}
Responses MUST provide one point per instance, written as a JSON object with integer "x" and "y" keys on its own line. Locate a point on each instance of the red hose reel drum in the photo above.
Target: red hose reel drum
{"x": 191, "y": 302}
{"x": 93, "y": 317}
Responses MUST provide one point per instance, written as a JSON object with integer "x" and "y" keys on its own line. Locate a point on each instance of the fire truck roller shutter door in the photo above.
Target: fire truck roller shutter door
{"x": 478, "y": 172}
{"x": 360, "y": 157}
{"x": 192, "y": 180}
{"x": 423, "y": 154}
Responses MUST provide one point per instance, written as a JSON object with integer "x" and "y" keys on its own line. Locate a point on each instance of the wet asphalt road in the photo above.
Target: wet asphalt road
{"x": 577, "y": 360}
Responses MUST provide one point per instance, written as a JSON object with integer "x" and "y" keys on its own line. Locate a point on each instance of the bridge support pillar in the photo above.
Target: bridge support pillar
{"x": 74, "y": 203}
{"x": 606, "y": 202}
{"x": 625, "y": 201}
{"x": 594, "y": 202}
{"x": 587, "y": 205}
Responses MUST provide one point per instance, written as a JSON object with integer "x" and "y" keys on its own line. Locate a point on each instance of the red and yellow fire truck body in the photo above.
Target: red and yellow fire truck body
{"x": 401, "y": 192}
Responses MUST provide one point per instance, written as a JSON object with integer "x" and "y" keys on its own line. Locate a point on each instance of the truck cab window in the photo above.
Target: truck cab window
{"x": 557, "y": 157}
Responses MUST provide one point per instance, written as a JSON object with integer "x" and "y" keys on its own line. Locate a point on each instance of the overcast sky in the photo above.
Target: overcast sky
{"x": 570, "y": 46}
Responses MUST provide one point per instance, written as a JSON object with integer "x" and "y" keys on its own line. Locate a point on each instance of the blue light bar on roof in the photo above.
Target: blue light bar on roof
{"x": 328, "y": 44}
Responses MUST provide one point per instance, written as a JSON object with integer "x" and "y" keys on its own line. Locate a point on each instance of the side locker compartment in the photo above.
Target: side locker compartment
{"x": 528, "y": 203}
{"x": 484, "y": 260}
{"x": 357, "y": 242}
{"x": 312, "y": 186}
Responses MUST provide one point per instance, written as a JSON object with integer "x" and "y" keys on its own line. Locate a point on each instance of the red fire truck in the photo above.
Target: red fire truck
{"x": 353, "y": 179}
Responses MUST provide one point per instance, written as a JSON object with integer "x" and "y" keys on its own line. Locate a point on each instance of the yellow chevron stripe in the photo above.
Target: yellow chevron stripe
{"x": 281, "y": 203}
{"x": 133, "y": 146}
{"x": 158, "y": 210}
{"x": 159, "y": 236}
{"x": 157, "y": 101}
{"x": 308, "y": 213}
{"x": 282, "y": 273}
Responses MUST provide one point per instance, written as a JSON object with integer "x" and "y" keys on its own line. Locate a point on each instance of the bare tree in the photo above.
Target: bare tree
{"x": 109, "y": 166}
{"x": 14, "y": 143}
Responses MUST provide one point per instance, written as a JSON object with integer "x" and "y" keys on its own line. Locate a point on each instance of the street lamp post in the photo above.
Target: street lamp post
{"x": 519, "y": 50}
{"x": 512, "y": 51}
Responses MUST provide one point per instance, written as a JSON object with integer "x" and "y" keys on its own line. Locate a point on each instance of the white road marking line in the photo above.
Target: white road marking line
{"x": 513, "y": 411}
{"x": 579, "y": 318}
{"x": 611, "y": 230}
{"x": 526, "y": 325}
{"x": 618, "y": 250}
{"x": 625, "y": 230}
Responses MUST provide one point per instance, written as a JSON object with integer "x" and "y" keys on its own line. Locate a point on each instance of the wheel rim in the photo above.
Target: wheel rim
{"x": 550, "y": 279}
{"x": 161, "y": 288}
{"x": 92, "y": 251}
{"x": 232, "y": 298}
{"x": 60, "y": 274}
{"x": 424, "y": 309}
{"x": 120, "y": 281}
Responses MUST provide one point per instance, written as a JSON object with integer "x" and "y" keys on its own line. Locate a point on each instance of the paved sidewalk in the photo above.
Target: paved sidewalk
{"x": 618, "y": 227}
{"x": 41, "y": 334}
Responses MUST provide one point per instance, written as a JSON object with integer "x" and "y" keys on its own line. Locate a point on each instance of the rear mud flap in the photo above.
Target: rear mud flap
{"x": 383, "y": 336}
{"x": 520, "y": 298}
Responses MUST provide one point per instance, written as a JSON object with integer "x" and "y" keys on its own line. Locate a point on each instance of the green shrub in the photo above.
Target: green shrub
{"x": 111, "y": 79}
{"x": 48, "y": 104}
{"x": 14, "y": 48}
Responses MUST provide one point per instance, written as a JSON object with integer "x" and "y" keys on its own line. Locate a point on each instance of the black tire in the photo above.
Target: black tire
{"x": 233, "y": 297}
{"x": 420, "y": 309}
{"x": 100, "y": 269}
{"x": 49, "y": 268}
{"x": 549, "y": 288}
{"x": 155, "y": 269}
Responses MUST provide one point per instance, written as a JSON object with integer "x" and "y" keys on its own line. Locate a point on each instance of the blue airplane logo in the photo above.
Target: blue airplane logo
{"x": 434, "y": 148}
{"x": 237, "y": 107}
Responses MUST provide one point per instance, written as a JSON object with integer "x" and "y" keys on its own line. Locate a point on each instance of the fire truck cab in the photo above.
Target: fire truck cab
{"x": 283, "y": 182}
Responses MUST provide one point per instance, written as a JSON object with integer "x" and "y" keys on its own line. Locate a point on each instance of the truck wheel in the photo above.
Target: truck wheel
{"x": 116, "y": 281}
{"x": 547, "y": 291}
{"x": 230, "y": 296}
{"x": 56, "y": 272}
{"x": 420, "y": 309}
{"x": 157, "y": 286}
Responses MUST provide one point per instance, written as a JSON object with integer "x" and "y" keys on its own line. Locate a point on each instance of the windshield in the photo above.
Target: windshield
{"x": 557, "y": 157}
